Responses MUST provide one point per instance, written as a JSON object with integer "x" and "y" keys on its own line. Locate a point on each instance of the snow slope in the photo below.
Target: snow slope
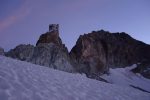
{"x": 125, "y": 77}
{"x": 24, "y": 81}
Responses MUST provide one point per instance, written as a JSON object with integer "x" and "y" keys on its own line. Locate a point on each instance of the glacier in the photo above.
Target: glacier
{"x": 25, "y": 81}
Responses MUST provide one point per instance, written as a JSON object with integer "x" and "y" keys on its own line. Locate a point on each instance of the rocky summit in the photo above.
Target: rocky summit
{"x": 49, "y": 51}
{"x": 99, "y": 50}
{"x": 93, "y": 54}
{"x": 52, "y": 36}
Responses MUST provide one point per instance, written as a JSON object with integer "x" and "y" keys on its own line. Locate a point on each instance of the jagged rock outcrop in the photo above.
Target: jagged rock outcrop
{"x": 2, "y": 51}
{"x": 21, "y": 52}
{"x": 49, "y": 51}
{"x": 101, "y": 49}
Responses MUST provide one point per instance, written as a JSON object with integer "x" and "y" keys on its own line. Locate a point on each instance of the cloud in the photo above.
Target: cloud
{"x": 16, "y": 16}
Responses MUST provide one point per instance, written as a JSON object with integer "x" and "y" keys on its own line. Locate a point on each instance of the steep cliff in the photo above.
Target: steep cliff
{"x": 101, "y": 49}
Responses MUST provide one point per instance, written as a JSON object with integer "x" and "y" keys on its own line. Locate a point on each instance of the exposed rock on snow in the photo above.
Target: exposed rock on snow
{"x": 143, "y": 68}
{"x": 2, "y": 51}
{"x": 25, "y": 81}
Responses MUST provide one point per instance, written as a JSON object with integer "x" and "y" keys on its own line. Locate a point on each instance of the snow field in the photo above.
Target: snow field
{"x": 25, "y": 81}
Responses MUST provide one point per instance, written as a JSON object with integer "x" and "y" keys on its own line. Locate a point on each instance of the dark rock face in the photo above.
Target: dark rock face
{"x": 2, "y": 51}
{"x": 99, "y": 50}
{"x": 49, "y": 51}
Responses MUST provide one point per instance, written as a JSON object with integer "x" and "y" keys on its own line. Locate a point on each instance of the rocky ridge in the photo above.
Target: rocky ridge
{"x": 93, "y": 54}
{"x": 49, "y": 51}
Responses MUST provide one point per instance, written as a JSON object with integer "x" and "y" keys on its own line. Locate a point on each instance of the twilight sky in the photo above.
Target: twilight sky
{"x": 23, "y": 21}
